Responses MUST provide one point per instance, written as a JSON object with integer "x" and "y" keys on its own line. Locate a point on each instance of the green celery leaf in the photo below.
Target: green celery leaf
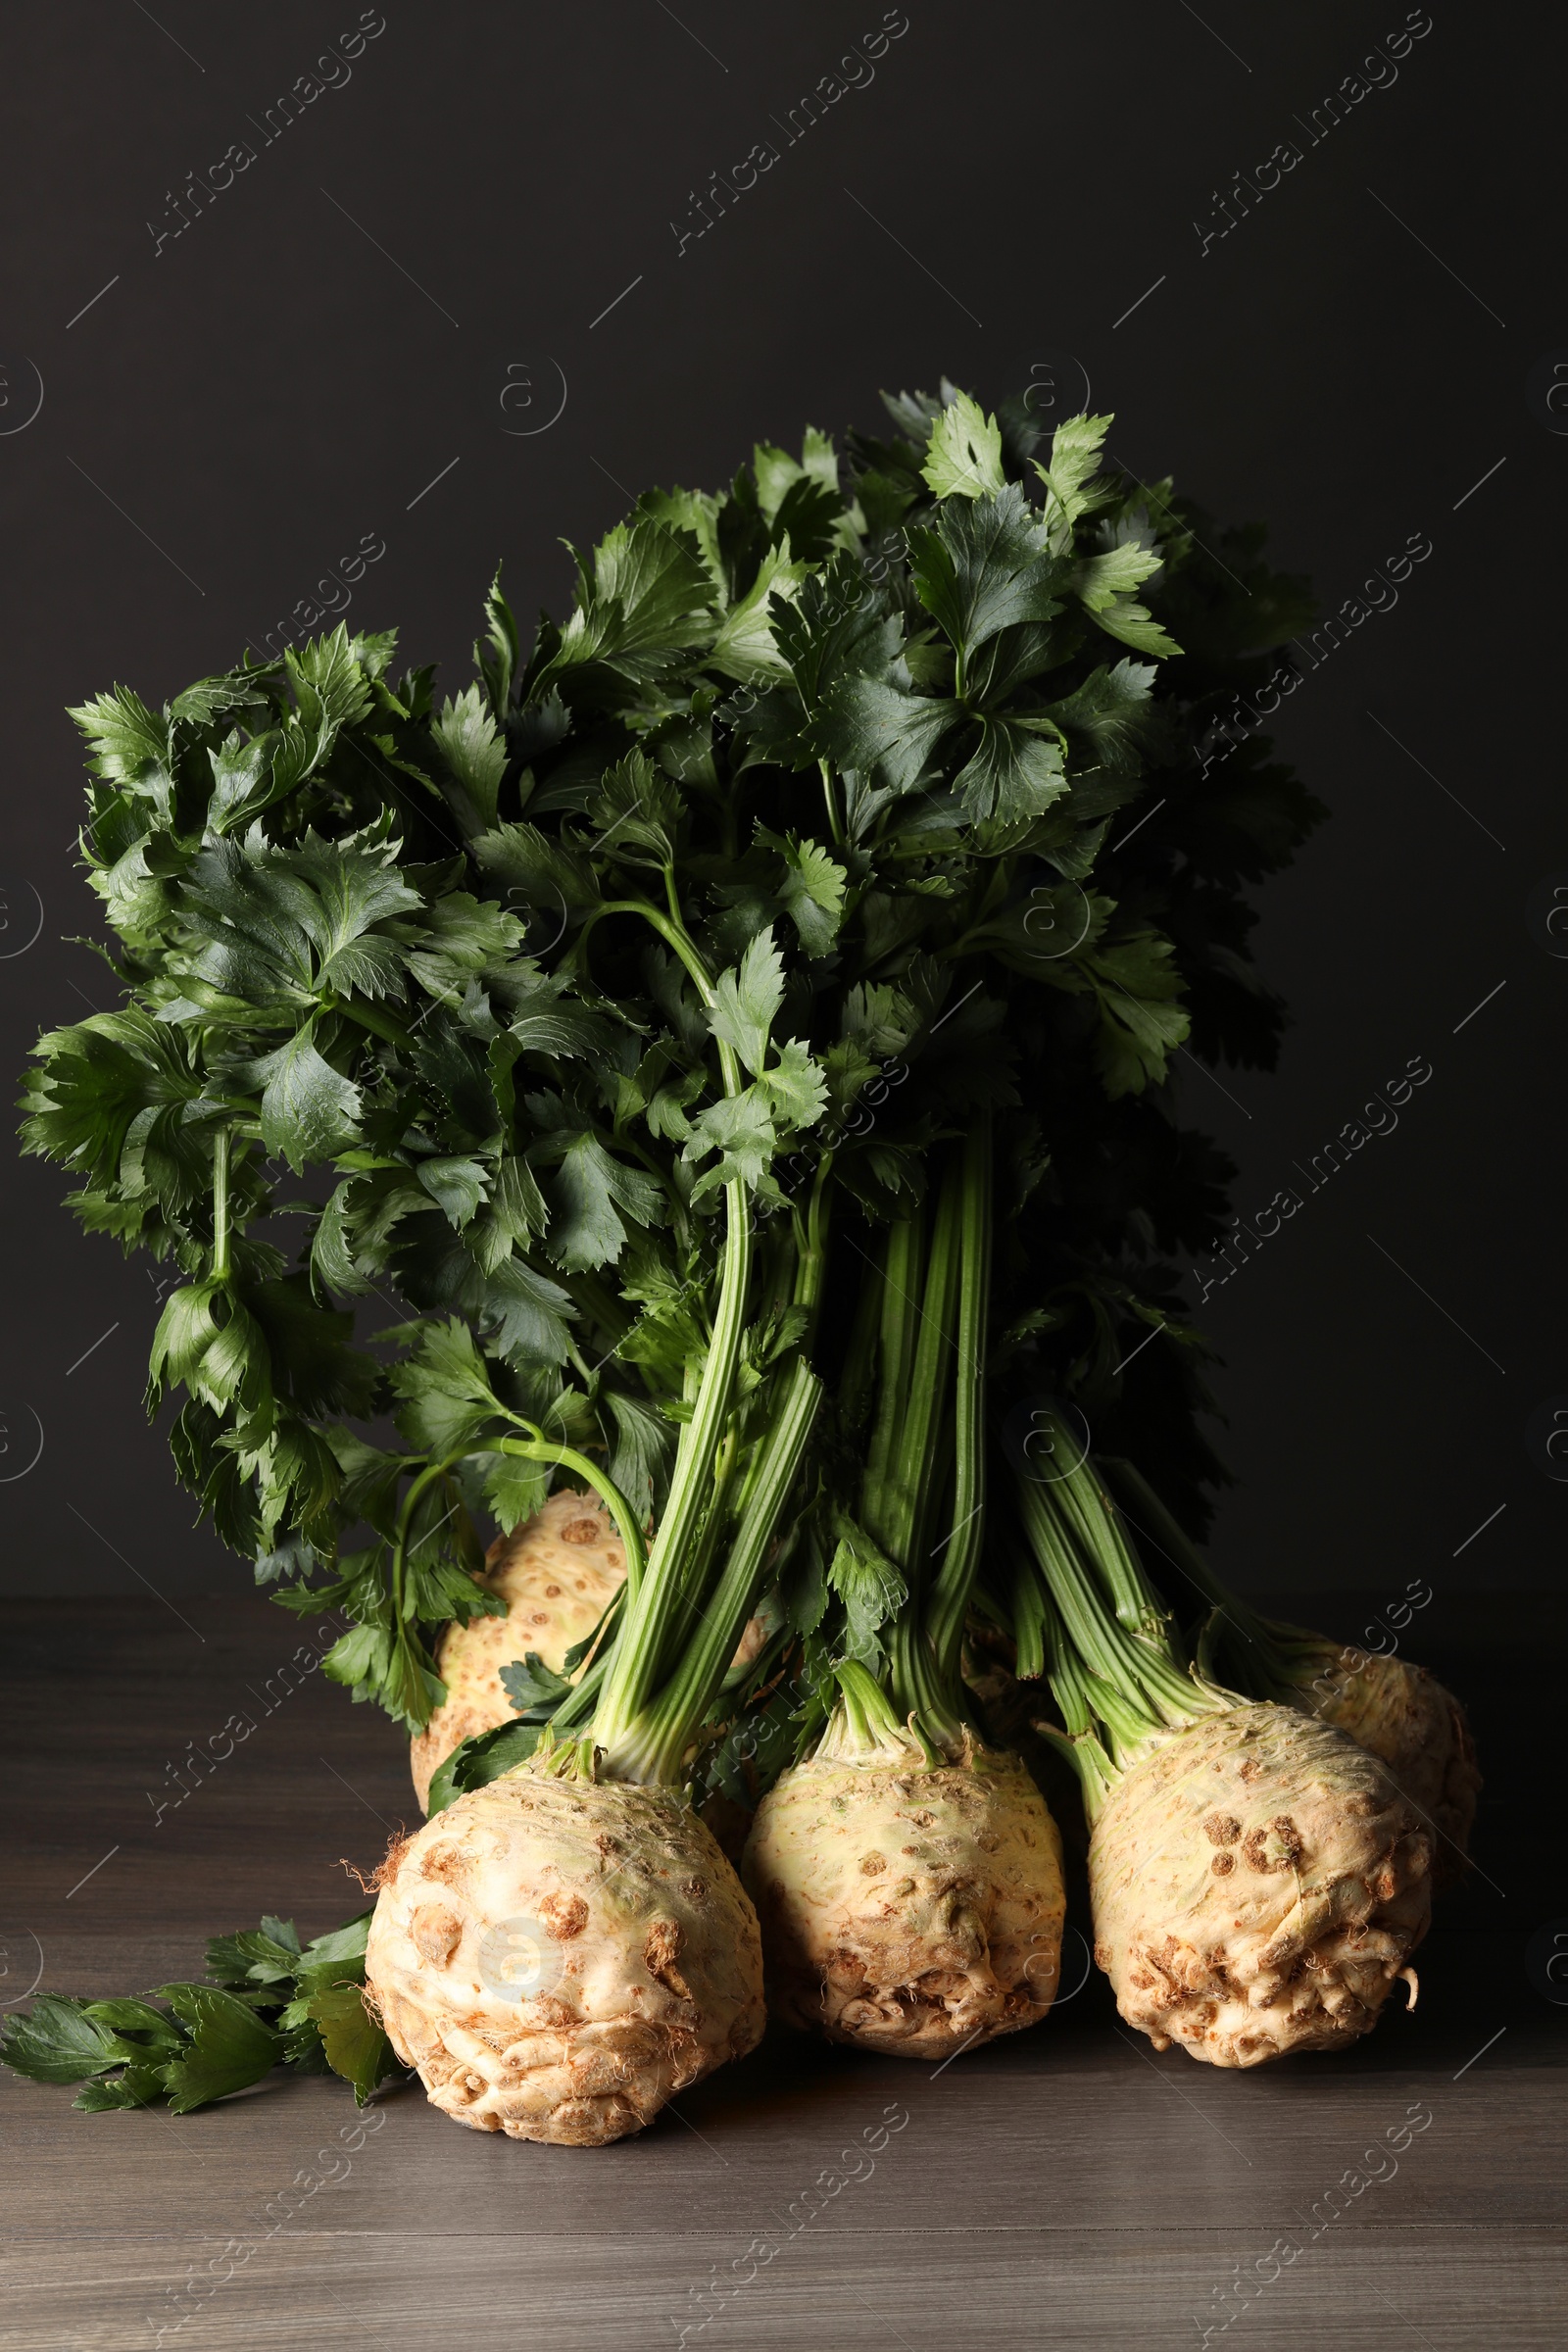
{"x": 1137, "y": 981}
{"x": 810, "y": 889}
{"x": 513, "y": 1490}
{"x": 230, "y": 2046}
{"x": 794, "y": 1089}
{"x": 458, "y": 1186}
{"x": 636, "y": 813}
{"x": 1012, "y": 773}
{"x": 253, "y": 1956}
{"x": 963, "y": 456}
{"x": 866, "y": 1580}
{"x": 985, "y": 566}
{"x": 151, "y": 2028}
{"x": 1111, "y": 711}
{"x": 740, "y": 1129}
{"x": 309, "y": 1110}
{"x": 1132, "y": 625}
{"x": 747, "y": 1001}
{"x": 531, "y": 1314}
{"x": 142, "y": 2084}
{"x": 533, "y": 1688}
{"x": 60, "y": 2041}
{"x": 500, "y": 661}
{"x": 444, "y": 1386}
{"x": 585, "y": 1189}
{"x": 356, "y": 2046}
{"x": 475, "y": 758}
{"x": 1075, "y": 448}
{"x": 640, "y": 1458}
{"x": 646, "y": 595}
{"x": 865, "y": 723}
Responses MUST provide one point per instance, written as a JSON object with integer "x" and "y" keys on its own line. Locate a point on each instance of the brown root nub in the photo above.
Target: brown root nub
{"x": 962, "y": 1945}
{"x": 1298, "y": 1949}
{"x": 1405, "y": 1716}
{"x": 564, "y": 1915}
{"x": 524, "y": 1949}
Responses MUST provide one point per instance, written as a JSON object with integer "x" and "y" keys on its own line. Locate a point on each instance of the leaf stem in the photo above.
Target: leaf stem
{"x": 654, "y": 1748}
{"x": 379, "y": 1024}
{"x": 220, "y": 1247}
{"x": 646, "y": 1627}
{"x": 835, "y": 827}
{"x": 949, "y": 1601}
{"x": 538, "y": 1449}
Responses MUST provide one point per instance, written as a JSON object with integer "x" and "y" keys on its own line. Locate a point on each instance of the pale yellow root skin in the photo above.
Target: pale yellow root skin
{"x": 1405, "y": 1716}
{"x": 1259, "y": 1883}
{"x": 557, "y": 1573}
{"x": 908, "y": 1910}
{"x": 651, "y": 1965}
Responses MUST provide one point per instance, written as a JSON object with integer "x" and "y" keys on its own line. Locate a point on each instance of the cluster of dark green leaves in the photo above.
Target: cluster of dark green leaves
{"x": 899, "y": 746}
{"x": 266, "y": 2002}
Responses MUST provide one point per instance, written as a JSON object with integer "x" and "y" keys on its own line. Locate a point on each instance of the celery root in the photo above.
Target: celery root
{"x": 1397, "y": 1711}
{"x": 907, "y": 1906}
{"x": 1258, "y": 1880}
{"x": 1258, "y": 1885}
{"x": 909, "y": 1878}
{"x": 1401, "y": 1714}
{"x": 559, "y": 1958}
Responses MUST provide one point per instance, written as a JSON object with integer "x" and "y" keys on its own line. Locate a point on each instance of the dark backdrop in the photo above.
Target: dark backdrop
{"x": 363, "y": 341}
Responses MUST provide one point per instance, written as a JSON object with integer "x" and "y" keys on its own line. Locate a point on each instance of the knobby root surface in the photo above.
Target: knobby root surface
{"x": 1259, "y": 1882}
{"x": 1405, "y": 1716}
{"x": 912, "y": 1911}
{"x": 559, "y": 1959}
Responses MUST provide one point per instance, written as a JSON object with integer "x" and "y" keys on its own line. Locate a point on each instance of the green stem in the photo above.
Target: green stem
{"x": 1137, "y": 1669}
{"x": 834, "y": 826}
{"x": 1266, "y": 1664}
{"x": 917, "y": 1684}
{"x": 913, "y": 1470}
{"x": 646, "y": 1629}
{"x": 1029, "y": 1606}
{"x": 865, "y": 1722}
{"x": 654, "y": 1748}
{"x": 949, "y": 1603}
{"x": 1097, "y": 1523}
{"x": 895, "y": 1355}
{"x": 379, "y": 1024}
{"x": 811, "y": 1272}
{"x": 538, "y": 1449}
{"x": 220, "y": 1237}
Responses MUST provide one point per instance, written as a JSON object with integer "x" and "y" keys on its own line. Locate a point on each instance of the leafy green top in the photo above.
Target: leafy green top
{"x": 843, "y": 804}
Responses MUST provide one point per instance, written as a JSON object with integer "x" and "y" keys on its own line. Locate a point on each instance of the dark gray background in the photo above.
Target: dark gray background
{"x": 238, "y": 408}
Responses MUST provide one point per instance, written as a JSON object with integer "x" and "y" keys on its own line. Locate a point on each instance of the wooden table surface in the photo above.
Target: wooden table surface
{"x": 1067, "y": 2188}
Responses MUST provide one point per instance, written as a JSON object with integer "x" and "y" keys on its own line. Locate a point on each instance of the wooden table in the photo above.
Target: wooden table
{"x": 1064, "y": 2188}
